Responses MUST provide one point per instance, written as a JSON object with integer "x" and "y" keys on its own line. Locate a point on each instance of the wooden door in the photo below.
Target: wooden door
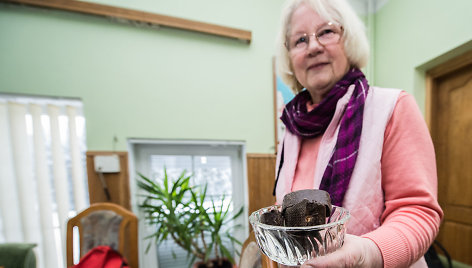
{"x": 451, "y": 129}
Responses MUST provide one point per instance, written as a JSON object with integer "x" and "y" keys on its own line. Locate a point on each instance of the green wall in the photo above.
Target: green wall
{"x": 172, "y": 84}
{"x": 414, "y": 35}
{"x": 146, "y": 83}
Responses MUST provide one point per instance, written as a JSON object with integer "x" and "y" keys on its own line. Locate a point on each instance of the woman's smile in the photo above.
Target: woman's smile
{"x": 317, "y": 66}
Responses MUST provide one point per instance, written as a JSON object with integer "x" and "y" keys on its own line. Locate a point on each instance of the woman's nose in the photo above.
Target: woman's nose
{"x": 313, "y": 44}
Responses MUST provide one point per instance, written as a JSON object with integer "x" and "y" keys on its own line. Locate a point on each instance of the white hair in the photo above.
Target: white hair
{"x": 356, "y": 45}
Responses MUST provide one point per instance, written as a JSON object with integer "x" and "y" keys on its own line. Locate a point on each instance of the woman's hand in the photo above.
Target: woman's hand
{"x": 356, "y": 252}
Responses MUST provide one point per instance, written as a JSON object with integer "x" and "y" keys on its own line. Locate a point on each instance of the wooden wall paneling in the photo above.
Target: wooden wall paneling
{"x": 261, "y": 178}
{"x": 118, "y": 183}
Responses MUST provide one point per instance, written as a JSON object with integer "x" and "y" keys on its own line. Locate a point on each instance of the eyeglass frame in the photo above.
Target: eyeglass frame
{"x": 341, "y": 34}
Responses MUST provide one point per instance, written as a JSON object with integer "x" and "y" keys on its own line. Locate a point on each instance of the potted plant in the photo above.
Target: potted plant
{"x": 177, "y": 211}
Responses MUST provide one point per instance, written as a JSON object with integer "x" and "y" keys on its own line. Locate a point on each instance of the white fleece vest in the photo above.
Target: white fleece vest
{"x": 364, "y": 198}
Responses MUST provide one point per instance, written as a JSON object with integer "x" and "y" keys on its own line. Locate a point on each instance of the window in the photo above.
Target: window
{"x": 220, "y": 164}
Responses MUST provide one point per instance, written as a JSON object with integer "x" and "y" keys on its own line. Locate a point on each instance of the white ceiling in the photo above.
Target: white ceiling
{"x": 362, "y": 6}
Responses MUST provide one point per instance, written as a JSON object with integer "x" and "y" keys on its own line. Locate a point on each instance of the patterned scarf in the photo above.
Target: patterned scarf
{"x": 314, "y": 123}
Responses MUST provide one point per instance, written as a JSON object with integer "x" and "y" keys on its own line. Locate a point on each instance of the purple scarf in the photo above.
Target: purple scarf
{"x": 314, "y": 123}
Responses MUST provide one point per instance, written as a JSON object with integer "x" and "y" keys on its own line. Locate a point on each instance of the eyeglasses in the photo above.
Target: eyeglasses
{"x": 329, "y": 33}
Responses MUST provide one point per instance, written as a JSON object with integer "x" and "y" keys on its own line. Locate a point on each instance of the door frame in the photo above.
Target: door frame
{"x": 435, "y": 73}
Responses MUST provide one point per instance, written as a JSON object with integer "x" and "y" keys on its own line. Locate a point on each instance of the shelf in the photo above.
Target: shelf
{"x": 138, "y": 16}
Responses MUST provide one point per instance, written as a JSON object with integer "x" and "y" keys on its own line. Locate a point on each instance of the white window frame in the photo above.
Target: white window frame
{"x": 139, "y": 152}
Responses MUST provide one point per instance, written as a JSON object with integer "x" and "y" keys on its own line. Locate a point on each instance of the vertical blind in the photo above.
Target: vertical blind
{"x": 42, "y": 172}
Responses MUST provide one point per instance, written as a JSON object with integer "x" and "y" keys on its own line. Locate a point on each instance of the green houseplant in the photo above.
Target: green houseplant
{"x": 177, "y": 211}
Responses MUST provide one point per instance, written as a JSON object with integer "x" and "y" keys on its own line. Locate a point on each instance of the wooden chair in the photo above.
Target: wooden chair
{"x": 105, "y": 224}
{"x": 252, "y": 256}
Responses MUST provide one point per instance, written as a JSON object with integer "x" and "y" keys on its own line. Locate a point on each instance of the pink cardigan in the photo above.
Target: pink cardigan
{"x": 393, "y": 192}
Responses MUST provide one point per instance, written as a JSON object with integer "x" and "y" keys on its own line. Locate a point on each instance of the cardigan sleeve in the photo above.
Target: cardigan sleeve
{"x": 412, "y": 215}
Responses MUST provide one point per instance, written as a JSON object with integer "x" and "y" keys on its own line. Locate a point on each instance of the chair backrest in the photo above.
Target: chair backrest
{"x": 105, "y": 224}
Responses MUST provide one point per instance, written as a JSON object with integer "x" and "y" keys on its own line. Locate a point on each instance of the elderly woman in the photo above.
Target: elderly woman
{"x": 369, "y": 147}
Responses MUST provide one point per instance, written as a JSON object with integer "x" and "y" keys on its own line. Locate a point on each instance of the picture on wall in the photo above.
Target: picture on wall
{"x": 282, "y": 95}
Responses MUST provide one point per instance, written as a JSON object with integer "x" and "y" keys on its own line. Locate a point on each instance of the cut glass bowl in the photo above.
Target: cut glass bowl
{"x": 295, "y": 245}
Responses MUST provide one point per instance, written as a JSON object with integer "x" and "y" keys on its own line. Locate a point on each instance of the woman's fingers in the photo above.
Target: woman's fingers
{"x": 356, "y": 252}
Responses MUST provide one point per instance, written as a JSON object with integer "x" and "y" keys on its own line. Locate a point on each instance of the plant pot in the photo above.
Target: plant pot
{"x": 225, "y": 264}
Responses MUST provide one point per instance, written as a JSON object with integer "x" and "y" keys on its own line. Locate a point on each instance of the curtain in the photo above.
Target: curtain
{"x": 42, "y": 172}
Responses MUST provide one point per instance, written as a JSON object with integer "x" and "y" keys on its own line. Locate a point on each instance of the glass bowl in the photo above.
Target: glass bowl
{"x": 294, "y": 245}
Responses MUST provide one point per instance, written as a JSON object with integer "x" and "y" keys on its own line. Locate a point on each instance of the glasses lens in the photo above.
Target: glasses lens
{"x": 298, "y": 41}
{"x": 328, "y": 34}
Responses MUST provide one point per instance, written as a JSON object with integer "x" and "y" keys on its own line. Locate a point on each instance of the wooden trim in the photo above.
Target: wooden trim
{"x": 138, "y": 16}
{"x": 451, "y": 65}
{"x": 428, "y": 101}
